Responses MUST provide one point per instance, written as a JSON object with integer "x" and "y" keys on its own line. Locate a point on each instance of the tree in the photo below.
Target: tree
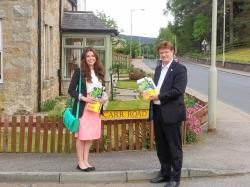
{"x": 187, "y": 24}
{"x": 107, "y": 20}
{"x": 116, "y": 41}
{"x": 200, "y": 27}
{"x": 166, "y": 34}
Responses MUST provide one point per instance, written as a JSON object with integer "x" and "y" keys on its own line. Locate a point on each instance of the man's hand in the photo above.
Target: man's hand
{"x": 154, "y": 97}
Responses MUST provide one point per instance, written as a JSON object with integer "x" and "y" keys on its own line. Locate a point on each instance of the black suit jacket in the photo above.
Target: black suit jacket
{"x": 74, "y": 91}
{"x": 172, "y": 93}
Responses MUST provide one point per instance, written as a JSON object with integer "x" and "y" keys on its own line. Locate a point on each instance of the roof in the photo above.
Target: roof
{"x": 85, "y": 21}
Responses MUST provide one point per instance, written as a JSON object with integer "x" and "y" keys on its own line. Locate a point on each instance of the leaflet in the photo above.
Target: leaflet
{"x": 147, "y": 87}
{"x": 96, "y": 93}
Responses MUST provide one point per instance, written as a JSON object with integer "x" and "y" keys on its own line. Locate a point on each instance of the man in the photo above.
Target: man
{"x": 167, "y": 110}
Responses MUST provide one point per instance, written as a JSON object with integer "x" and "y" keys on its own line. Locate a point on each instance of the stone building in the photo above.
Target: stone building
{"x": 30, "y": 52}
{"x": 40, "y": 42}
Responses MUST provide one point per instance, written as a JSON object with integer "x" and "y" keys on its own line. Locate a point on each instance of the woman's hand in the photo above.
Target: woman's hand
{"x": 88, "y": 99}
{"x": 103, "y": 100}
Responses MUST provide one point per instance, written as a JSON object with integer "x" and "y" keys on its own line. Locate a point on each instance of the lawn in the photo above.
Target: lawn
{"x": 128, "y": 105}
{"x": 237, "y": 55}
{"x": 127, "y": 84}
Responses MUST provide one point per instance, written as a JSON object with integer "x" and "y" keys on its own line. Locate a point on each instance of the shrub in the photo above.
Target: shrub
{"x": 57, "y": 112}
{"x": 48, "y": 105}
{"x": 136, "y": 74}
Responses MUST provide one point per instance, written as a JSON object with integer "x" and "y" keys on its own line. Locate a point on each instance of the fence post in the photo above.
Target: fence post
{"x": 13, "y": 134}
{"x": 183, "y": 132}
{"x": 5, "y": 134}
{"x": 30, "y": 131}
{"x": 22, "y": 131}
{"x": 37, "y": 134}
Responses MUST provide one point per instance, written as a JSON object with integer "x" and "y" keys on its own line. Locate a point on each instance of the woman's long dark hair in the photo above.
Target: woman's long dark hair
{"x": 98, "y": 67}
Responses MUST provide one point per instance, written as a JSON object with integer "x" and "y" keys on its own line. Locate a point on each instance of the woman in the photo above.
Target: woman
{"x": 92, "y": 73}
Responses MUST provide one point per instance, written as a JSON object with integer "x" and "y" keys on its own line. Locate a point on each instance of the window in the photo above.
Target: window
{"x": 1, "y": 53}
{"x": 72, "y": 59}
{"x": 73, "y": 47}
{"x": 74, "y": 41}
{"x": 48, "y": 52}
{"x": 95, "y": 42}
{"x": 51, "y": 59}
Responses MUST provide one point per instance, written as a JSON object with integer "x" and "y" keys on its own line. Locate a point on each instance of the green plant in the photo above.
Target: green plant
{"x": 189, "y": 101}
{"x": 57, "y": 112}
{"x": 48, "y": 105}
{"x": 191, "y": 137}
{"x": 68, "y": 102}
{"x": 147, "y": 143}
{"x": 106, "y": 141}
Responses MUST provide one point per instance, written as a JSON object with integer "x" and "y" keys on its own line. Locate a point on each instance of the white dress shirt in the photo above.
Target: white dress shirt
{"x": 164, "y": 70}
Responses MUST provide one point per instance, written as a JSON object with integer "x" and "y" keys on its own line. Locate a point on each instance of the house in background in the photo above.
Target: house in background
{"x": 36, "y": 55}
{"x": 80, "y": 30}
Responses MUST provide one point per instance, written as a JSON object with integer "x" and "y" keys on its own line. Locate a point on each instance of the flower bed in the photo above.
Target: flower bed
{"x": 197, "y": 115}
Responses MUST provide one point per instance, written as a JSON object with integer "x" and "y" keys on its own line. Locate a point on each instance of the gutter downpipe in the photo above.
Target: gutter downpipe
{"x": 39, "y": 57}
{"x": 59, "y": 73}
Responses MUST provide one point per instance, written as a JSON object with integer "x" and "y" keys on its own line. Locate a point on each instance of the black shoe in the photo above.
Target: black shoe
{"x": 159, "y": 179}
{"x": 92, "y": 168}
{"x": 173, "y": 184}
{"x": 86, "y": 169}
{"x": 168, "y": 184}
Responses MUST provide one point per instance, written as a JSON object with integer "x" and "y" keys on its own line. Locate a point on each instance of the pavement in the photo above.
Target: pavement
{"x": 225, "y": 152}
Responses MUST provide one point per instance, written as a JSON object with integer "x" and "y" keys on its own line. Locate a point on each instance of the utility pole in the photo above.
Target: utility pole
{"x": 131, "y": 24}
{"x": 130, "y": 44}
{"x": 224, "y": 33}
{"x": 175, "y": 44}
{"x": 212, "y": 88}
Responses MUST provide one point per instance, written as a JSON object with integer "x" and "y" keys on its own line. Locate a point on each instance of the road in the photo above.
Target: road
{"x": 233, "y": 89}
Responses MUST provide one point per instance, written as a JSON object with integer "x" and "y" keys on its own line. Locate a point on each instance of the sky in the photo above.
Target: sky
{"x": 145, "y": 22}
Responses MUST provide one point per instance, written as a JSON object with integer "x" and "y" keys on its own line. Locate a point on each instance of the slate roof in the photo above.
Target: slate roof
{"x": 85, "y": 21}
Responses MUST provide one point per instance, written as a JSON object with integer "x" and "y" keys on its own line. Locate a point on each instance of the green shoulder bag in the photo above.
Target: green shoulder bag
{"x": 70, "y": 121}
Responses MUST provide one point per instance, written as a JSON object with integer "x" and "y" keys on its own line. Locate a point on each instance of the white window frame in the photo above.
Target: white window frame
{"x": 81, "y": 47}
{"x": 1, "y": 52}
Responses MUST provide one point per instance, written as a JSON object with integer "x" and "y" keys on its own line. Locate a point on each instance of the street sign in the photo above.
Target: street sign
{"x": 204, "y": 42}
{"x": 204, "y": 45}
{"x": 125, "y": 114}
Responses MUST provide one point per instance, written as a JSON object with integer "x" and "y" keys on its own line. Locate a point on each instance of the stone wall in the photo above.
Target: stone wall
{"x": 19, "y": 90}
{"x": 50, "y": 17}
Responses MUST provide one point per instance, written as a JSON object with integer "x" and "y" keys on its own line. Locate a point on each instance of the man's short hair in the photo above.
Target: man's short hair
{"x": 165, "y": 45}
